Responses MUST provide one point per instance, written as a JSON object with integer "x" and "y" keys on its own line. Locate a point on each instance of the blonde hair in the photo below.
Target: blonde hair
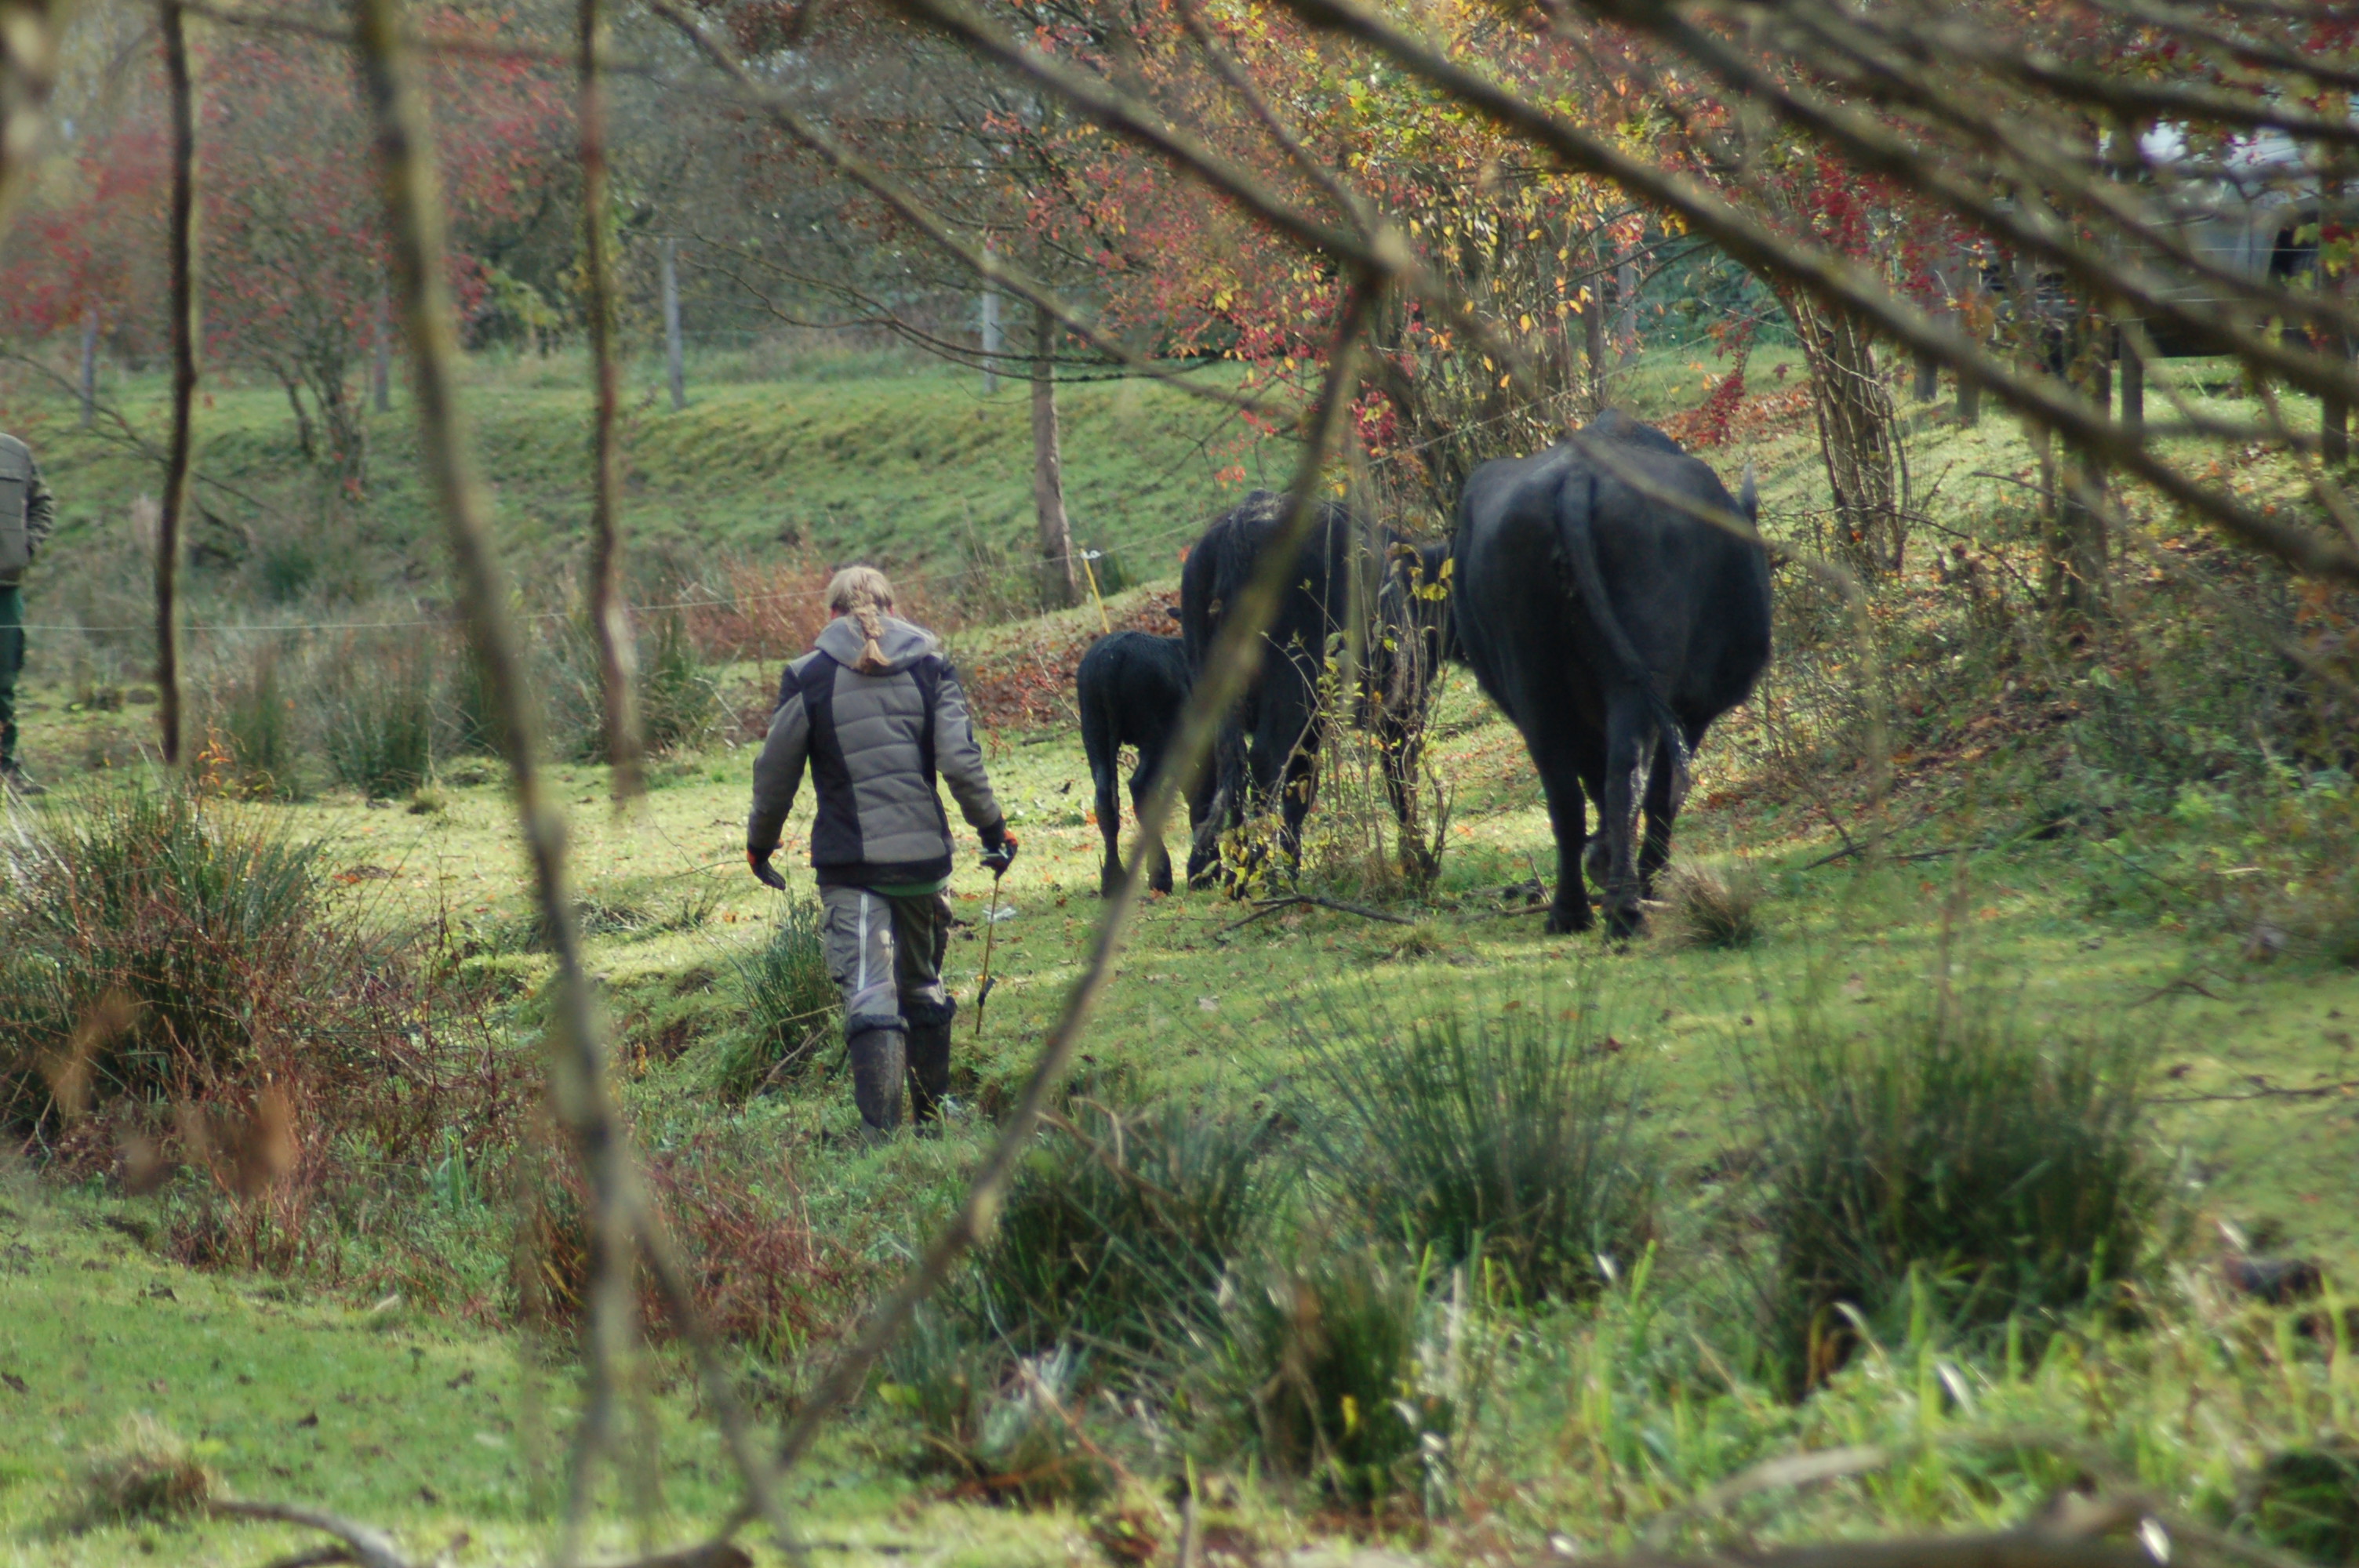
{"x": 865, "y": 594}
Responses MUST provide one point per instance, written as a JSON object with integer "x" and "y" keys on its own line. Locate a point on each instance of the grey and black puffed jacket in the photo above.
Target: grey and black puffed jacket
{"x": 875, "y": 744}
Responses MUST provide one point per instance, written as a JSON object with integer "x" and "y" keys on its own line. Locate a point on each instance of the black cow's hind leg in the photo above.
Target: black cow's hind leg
{"x": 1664, "y": 798}
{"x": 1226, "y": 806}
{"x": 1159, "y": 858}
{"x": 1568, "y": 806}
{"x": 1110, "y": 829}
{"x": 1630, "y": 745}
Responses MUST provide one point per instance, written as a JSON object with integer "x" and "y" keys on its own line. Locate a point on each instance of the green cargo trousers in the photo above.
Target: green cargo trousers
{"x": 12, "y": 664}
{"x": 884, "y": 953}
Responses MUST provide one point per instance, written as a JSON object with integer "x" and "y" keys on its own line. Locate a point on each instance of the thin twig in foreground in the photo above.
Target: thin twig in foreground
{"x": 576, "y": 1055}
{"x": 1233, "y": 656}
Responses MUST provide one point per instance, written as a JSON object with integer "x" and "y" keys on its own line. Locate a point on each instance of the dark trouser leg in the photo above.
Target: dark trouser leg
{"x": 12, "y": 664}
{"x": 921, "y": 926}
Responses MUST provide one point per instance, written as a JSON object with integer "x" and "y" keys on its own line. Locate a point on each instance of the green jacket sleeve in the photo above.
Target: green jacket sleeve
{"x": 40, "y": 511}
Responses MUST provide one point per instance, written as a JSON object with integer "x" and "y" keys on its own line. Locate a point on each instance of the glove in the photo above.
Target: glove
{"x": 760, "y": 860}
{"x": 1000, "y": 853}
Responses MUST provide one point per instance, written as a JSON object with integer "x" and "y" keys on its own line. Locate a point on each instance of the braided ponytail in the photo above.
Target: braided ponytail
{"x": 862, "y": 593}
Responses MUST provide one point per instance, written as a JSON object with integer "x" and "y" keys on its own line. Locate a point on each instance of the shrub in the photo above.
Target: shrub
{"x": 677, "y": 697}
{"x": 379, "y": 726}
{"x": 1510, "y": 1135}
{"x": 1324, "y": 1363}
{"x": 2005, "y": 1164}
{"x": 1706, "y": 906}
{"x": 256, "y": 733}
{"x": 1009, "y": 1428}
{"x": 156, "y": 945}
{"x": 787, "y": 1001}
{"x": 760, "y": 1276}
{"x": 1118, "y": 1230}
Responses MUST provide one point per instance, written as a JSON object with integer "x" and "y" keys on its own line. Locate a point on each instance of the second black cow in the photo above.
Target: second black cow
{"x": 1268, "y": 748}
{"x": 1613, "y": 602}
{"x": 1131, "y": 687}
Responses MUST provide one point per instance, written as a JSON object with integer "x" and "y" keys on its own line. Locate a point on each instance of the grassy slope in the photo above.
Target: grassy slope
{"x": 904, "y": 469}
{"x": 1197, "y": 1011}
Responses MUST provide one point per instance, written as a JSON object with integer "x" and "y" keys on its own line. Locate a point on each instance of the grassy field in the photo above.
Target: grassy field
{"x": 918, "y": 467}
{"x": 394, "y": 1389}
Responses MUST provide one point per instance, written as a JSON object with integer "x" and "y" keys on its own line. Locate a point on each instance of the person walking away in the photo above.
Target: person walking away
{"x": 27, "y": 513}
{"x": 875, "y": 713}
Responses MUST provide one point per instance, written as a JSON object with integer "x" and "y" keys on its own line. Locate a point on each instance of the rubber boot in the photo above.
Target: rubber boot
{"x": 877, "y": 1069}
{"x": 929, "y": 1063}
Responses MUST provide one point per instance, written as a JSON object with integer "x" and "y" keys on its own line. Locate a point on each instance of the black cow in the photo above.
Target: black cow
{"x": 1269, "y": 746}
{"x": 1612, "y": 625}
{"x": 1130, "y": 688}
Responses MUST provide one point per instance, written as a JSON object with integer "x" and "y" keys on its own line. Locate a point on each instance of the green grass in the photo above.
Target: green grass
{"x": 910, "y": 469}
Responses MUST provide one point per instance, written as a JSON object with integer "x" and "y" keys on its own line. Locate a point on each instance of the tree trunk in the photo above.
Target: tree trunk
{"x": 1057, "y": 585}
{"x": 2133, "y": 383}
{"x": 89, "y": 366}
{"x": 1929, "y": 378}
{"x": 1592, "y": 328}
{"x": 674, "y": 359}
{"x": 1854, "y": 414}
{"x": 990, "y": 338}
{"x": 381, "y": 358}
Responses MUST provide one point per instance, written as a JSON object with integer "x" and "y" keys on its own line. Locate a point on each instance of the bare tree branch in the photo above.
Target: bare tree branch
{"x": 183, "y": 293}
{"x": 577, "y": 1055}
{"x": 1831, "y": 277}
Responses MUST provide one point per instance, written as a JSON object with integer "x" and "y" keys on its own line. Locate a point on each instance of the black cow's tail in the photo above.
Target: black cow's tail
{"x": 1576, "y": 505}
{"x": 1100, "y": 743}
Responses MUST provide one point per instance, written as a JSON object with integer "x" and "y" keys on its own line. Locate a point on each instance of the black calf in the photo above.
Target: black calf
{"x": 1132, "y": 686}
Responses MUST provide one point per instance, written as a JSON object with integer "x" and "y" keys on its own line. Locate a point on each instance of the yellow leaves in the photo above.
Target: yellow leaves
{"x": 1523, "y": 323}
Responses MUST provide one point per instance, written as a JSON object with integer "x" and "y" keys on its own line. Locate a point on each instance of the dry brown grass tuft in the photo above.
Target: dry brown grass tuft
{"x": 146, "y": 1474}
{"x": 1711, "y": 907}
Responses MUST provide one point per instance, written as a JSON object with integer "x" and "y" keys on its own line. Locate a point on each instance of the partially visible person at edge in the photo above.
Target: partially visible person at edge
{"x": 876, "y": 711}
{"x": 27, "y": 513}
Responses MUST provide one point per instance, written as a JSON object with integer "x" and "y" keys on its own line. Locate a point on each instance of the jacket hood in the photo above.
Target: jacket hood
{"x": 904, "y": 643}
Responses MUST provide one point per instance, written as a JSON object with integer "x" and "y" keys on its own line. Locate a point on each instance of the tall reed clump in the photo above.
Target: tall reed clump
{"x": 2001, "y": 1158}
{"x": 1117, "y": 1234}
{"x": 786, "y": 1001}
{"x": 677, "y": 699}
{"x": 1331, "y": 1363}
{"x": 1509, "y": 1134}
{"x": 164, "y": 949}
{"x": 254, "y": 734}
{"x": 378, "y": 723}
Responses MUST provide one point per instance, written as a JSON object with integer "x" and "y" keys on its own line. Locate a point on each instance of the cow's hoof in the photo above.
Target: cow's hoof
{"x": 1161, "y": 885}
{"x": 1565, "y": 920}
{"x": 1623, "y": 923}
